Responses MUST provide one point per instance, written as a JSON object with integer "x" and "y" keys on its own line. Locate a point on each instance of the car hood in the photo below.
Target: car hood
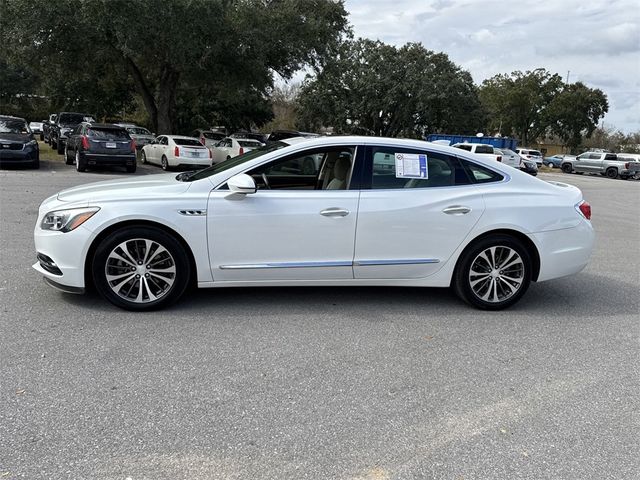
{"x": 148, "y": 186}
{"x": 15, "y": 137}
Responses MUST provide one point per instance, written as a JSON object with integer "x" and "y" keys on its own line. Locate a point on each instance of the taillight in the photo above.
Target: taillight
{"x": 499, "y": 158}
{"x": 202, "y": 141}
{"x": 626, "y": 166}
{"x": 133, "y": 145}
{"x": 85, "y": 142}
{"x": 585, "y": 209}
{"x": 210, "y": 153}
{"x": 176, "y": 152}
{"x": 241, "y": 151}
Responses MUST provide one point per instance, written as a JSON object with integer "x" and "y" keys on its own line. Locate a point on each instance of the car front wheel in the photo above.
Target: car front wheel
{"x": 567, "y": 168}
{"x": 493, "y": 273}
{"x": 141, "y": 268}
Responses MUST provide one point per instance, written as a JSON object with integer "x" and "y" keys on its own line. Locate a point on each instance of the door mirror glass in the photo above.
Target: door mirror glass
{"x": 242, "y": 183}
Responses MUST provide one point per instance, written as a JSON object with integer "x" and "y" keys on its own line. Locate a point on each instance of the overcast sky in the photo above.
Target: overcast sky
{"x": 597, "y": 41}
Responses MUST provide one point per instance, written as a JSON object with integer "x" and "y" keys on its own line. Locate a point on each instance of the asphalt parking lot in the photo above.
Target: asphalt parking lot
{"x": 321, "y": 383}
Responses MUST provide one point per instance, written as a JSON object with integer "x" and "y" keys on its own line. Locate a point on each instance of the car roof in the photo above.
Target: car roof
{"x": 11, "y": 117}
{"x": 471, "y": 143}
{"x": 103, "y": 125}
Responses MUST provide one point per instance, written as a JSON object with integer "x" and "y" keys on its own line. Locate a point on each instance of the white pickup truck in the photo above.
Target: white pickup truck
{"x": 488, "y": 150}
{"x": 604, "y": 163}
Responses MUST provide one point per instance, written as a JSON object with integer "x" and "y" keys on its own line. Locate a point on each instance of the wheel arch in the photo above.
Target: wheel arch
{"x": 88, "y": 277}
{"x": 526, "y": 241}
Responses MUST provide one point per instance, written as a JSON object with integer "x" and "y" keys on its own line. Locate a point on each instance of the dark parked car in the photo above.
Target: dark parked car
{"x": 66, "y": 123}
{"x": 48, "y": 126}
{"x": 18, "y": 146}
{"x": 100, "y": 145}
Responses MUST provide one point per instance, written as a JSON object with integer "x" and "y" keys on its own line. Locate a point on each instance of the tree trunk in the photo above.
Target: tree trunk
{"x": 145, "y": 93}
{"x": 167, "y": 99}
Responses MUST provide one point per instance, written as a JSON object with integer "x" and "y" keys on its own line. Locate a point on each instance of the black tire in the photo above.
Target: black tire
{"x": 131, "y": 168}
{"x": 566, "y": 168}
{"x": 67, "y": 161}
{"x": 53, "y": 143}
{"x": 164, "y": 163}
{"x": 42, "y": 137}
{"x": 143, "y": 157}
{"x": 612, "y": 172}
{"x": 177, "y": 256}
{"x": 471, "y": 257}
{"x": 59, "y": 148}
{"x": 80, "y": 163}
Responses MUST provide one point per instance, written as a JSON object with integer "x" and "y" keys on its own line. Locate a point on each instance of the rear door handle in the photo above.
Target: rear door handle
{"x": 456, "y": 210}
{"x": 334, "y": 212}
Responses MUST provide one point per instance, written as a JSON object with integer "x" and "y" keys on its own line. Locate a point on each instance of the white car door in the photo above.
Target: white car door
{"x": 301, "y": 228}
{"x": 409, "y": 226}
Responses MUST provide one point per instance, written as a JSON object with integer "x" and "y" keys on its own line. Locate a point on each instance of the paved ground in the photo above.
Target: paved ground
{"x": 361, "y": 383}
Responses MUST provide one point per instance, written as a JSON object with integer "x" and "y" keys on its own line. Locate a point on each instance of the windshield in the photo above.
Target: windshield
{"x": 108, "y": 134}
{"x": 14, "y": 126}
{"x": 71, "y": 118}
{"x": 232, "y": 162}
{"x": 187, "y": 142}
{"x": 484, "y": 149}
{"x": 138, "y": 131}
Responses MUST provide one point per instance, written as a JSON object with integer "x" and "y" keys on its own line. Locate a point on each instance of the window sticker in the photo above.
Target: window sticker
{"x": 411, "y": 165}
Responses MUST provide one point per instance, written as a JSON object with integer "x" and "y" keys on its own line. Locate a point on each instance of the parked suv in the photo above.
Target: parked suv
{"x": 66, "y": 123}
{"x": 100, "y": 145}
{"x": 18, "y": 146}
{"x": 208, "y": 138}
{"x": 529, "y": 154}
{"x": 141, "y": 135}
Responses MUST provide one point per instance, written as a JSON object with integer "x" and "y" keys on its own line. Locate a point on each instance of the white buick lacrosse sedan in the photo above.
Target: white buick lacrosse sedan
{"x": 327, "y": 211}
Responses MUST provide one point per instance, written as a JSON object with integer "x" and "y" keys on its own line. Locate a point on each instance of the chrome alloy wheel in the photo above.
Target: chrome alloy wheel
{"x": 496, "y": 274}
{"x": 140, "y": 270}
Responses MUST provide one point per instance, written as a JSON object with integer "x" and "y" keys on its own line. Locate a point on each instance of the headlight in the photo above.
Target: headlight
{"x": 67, "y": 220}
{"x": 32, "y": 143}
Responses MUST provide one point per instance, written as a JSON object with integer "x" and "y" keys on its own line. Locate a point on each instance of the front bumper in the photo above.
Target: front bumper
{"x": 53, "y": 250}
{"x": 26, "y": 155}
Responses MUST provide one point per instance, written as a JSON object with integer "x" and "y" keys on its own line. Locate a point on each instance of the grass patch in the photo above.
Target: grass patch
{"x": 49, "y": 154}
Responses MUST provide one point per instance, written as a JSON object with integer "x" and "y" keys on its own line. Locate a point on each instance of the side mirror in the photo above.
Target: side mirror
{"x": 242, "y": 183}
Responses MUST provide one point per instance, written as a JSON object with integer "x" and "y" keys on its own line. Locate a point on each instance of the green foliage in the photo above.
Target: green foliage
{"x": 371, "y": 88}
{"x": 575, "y": 112}
{"x": 530, "y": 105}
{"x": 99, "y": 52}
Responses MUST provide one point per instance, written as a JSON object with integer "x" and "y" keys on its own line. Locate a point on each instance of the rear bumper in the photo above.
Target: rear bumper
{"x": 564, "y": 252}
{"x": 108, "y": 160}
{"x": 189, "y": 161}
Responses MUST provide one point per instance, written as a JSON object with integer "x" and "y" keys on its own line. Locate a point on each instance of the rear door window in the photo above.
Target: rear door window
{"x": 419, "y": 169}
{"x": 481, "y": 174}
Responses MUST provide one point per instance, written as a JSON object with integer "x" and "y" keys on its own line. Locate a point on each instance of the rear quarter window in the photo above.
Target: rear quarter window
{"x": 481, "y": 174}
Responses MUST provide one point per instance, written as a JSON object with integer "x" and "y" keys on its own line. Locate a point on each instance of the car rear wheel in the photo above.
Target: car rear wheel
{"x": 59, "y": 148}
{"x": 612, "y": 172}
{"x": 143, "y": 157}
{"x": 164, "y": 163}
{"x": 493, "y": 273}
{"x": 550, "y": 165}
{"x": 141, "y": 268}
{"x": 80, "y": 166}
{"x": 567, "y": 168}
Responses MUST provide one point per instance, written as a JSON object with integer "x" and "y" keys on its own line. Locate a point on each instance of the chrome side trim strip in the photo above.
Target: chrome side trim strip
{"x": 414, "y": 261}
{"x": 285, "y": 265}
{"x": 193, "y": 213}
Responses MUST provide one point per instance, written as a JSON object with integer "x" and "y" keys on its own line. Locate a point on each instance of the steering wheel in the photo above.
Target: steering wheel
{"x": 266, "y": 181}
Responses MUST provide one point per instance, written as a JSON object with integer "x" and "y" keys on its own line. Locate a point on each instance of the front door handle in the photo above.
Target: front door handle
{"x": 456, "y": 210}
{"x": 334, "y": 212}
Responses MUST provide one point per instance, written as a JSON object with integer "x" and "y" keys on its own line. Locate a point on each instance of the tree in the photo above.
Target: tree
{"x": 166, "y": 48}
{"x": 372, "y": 88}
{"x": 517, "y": 103}
{"x": 574, "y": 113}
